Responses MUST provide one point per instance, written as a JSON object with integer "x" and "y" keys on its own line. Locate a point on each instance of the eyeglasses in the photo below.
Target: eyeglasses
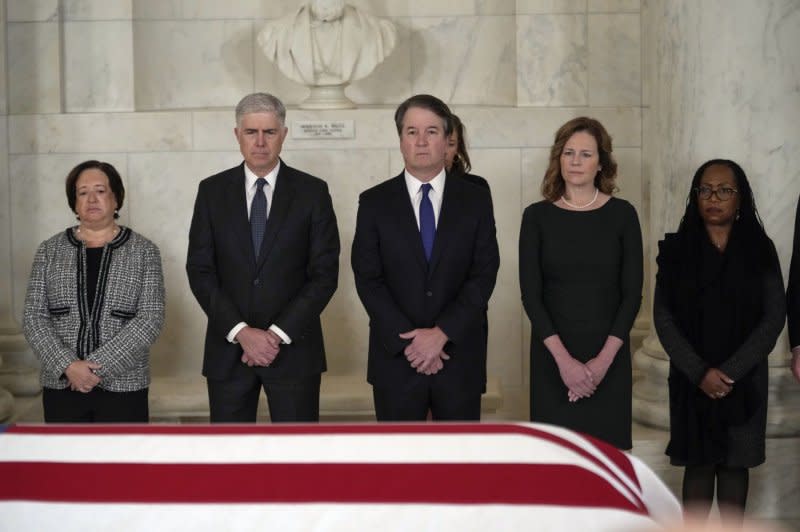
{"x": 722, "y": 193}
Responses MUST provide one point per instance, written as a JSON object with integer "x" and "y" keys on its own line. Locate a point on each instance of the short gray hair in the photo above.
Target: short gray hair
{"x": 260, "y": 102}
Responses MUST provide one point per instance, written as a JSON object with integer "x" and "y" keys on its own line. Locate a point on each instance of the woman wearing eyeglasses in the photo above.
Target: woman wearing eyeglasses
{"x": 719, "y": 307}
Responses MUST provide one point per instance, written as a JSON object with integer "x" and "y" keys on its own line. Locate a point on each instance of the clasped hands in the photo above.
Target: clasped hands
{"x": 260, "y": 346}
{"x": 426, "y": 353}
{"x": 716, "y": 384}
{"x": 81, "y": 376}
{"x": 581, "y": 379}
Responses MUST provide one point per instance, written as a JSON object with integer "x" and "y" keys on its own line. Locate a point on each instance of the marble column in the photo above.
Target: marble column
{"x": 6, "y": 400}
{"x": 721, "y": 81}
{"x": 16, "y": 376}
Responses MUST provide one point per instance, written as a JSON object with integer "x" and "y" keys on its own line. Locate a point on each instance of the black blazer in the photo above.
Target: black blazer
{"x": 793, "y": 293}
{"x": 401, "y": 291}
{"x": 293, "y": 280}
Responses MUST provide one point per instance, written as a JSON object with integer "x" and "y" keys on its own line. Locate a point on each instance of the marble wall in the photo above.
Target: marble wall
{"x": 150, "y": 85}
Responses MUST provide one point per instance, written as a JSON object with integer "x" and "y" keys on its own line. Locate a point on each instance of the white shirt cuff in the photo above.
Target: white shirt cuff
{"x": 277, "y": 330}
{"x": 236, "y": 328}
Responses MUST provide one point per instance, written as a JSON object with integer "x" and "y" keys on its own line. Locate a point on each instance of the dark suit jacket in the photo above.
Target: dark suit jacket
{"x": 294, "y": 278}
{"x": 793, "y": 293}
{"x": 401, "y": 291}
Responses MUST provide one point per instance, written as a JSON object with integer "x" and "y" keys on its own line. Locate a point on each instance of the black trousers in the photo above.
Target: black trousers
{"x": 97, "y": 406}
{"x": 235, "y": 400}
{"x": 446, "y": 399}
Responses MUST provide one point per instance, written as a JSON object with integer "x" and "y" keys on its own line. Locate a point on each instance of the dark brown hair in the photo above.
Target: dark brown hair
{"x": 461, "y": 163}
{"x": 114, "y": 182}
{"x": 425, "y": 101}
{"x": 553, "y": 182}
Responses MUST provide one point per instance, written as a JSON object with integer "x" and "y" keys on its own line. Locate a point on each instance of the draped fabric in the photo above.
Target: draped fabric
{"x": 716, "y": 299}
{"x": 334, "y": 477}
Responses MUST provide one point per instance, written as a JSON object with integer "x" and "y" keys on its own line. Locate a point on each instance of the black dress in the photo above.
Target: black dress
{"x": 581, "y": 278}
{"x": 711, "y": 311}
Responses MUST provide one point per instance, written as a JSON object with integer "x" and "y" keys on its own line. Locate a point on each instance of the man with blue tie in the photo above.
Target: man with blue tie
{"x": 263, "y": 262}
{"x": 425, "y": 260}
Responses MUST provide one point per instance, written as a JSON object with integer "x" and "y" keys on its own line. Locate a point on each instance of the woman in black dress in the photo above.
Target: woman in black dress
{"x": 718, "y": 309}
{"x": 580, "y": 266}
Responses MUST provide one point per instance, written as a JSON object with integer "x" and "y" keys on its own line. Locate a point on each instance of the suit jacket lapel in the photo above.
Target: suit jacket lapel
{"x": 446, "y": 228}
{"x": 236, "y": 201}
{"x": 281, "y": 202}
{"x": 407, "y": 219}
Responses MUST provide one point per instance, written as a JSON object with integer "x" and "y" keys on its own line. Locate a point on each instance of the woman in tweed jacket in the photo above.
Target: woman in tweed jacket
{"x": 95, "y": 305}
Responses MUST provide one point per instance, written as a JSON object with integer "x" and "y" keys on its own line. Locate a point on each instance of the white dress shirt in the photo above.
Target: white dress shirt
{"x": 436, "y": 193}
{"x": 250, "y": 189}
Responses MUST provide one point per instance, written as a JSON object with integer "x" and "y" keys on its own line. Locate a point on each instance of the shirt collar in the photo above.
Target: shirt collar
{"x": 413, "y": 184}
{"x": 250, "y": 177}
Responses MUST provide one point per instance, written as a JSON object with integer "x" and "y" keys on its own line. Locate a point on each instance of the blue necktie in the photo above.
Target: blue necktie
{"x": 427, "y": 222}
{"x": 258, "y": 215}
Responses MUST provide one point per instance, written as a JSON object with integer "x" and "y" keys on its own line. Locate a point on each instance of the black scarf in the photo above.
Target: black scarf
{"x": 716, "y": 299}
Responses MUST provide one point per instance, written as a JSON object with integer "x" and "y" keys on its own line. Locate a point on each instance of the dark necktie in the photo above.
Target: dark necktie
{"x": 427, "y": 222}
{"x": 258, "y": 215}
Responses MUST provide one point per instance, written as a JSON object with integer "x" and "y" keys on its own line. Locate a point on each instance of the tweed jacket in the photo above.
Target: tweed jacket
{"x": 117, "y": 332}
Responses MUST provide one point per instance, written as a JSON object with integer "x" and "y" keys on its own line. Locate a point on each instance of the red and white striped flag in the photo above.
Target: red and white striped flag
{"x": 322, "y": 477}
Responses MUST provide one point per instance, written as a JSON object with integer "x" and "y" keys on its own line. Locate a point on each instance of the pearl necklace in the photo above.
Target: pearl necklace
{"x": 579, "y": 207}
{"x": 83, "y": 237}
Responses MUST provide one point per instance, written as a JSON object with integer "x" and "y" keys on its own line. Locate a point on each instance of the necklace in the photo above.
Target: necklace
{"x": 578, "y": 207}
{"x": 85, "y": 238}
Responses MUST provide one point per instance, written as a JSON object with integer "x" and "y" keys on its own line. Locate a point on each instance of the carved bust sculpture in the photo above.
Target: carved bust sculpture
{"x": 327, "y": 43}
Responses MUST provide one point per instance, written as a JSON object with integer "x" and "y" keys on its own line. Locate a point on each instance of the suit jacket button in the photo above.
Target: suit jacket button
{"x": 429, "y": 293}
{"x": 256, "y": 282}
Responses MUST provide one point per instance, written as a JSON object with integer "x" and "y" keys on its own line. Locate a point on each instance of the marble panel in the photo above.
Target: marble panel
{"x": 435, "y": 8}
{"x": 482, "y": 71}
{"x": 33, "y": 67}
{"x": 184, "y": 64}
{"x": 390, "y": 82}
{"x": 534, "y": 127}
{"x": 5, "y": 222}
{"x": 629, "y": 176}
{"x": 533, "y": 165}
{"x": 98, "y": 66}
{"x": 39, "y": 207}
{"x": 3, "y": 66}
{"x": 614, "y": 6}
{"x": 531, "y": 7}
{"x": 161, "y": 209}
{"x": 615, "y": 66}
{"x": 97, "y": 9}
{"x": 99, "y": 132}
{"x": 269, "y": 78}
{"x": 231, "y": 9}
{"x": 344, "y": 321}
{"x": 374, "y": 128}
{"x": 157, "y": 9}
{"x": 27, "y": 11}
{"x": 552, "y": 65}
{"x": 501, "y": 168}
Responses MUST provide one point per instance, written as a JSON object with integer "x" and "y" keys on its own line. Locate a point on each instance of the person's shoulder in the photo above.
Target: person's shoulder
{"x": 617, "y": 204}
{"x": 57, "y": 240}
{"x": 223, "y": 177}
{"x": 387, "y": 187}
{"x": 141, "y": 241}
{"x": 300, "y": 178}
{"x": 537, "y": 207}
{"x": 476, "y": 180}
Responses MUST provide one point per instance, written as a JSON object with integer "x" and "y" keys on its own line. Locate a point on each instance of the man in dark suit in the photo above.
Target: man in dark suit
{"x": 793, "y": 298}
{"x": 425, "y": 259}
{"x": 263, "y": 262}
